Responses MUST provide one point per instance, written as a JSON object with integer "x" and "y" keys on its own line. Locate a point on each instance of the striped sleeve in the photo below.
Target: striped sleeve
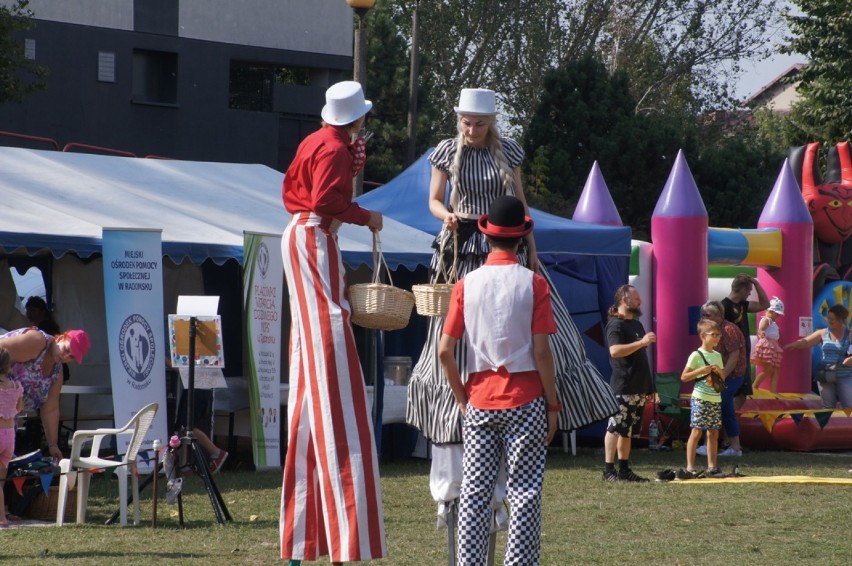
{"x": 514, "y": 152}
{"x": 443, "y": 155}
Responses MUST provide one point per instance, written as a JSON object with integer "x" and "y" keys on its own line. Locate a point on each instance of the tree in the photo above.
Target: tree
{"x": 19, "y": 76}
{"x": 683, "y": 54}
{"x": 587, "y": 115}
{"x": 823, "y": 33}
{"x": 735, "y": 174}
{"x": 387, "y": 87}
{"x": 680, "y": 54}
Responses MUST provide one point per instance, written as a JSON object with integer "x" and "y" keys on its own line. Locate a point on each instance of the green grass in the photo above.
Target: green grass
{"x": 586, "y": 521}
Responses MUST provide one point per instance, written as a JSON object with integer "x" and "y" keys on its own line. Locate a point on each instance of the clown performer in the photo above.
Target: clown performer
{"x": 331, "y": 502}
{"x": 503, "y": 311}
{"x": 480, "y": 165}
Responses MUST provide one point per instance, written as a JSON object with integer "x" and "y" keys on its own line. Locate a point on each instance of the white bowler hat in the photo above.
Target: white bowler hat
{"x": 477, "y": 102}
{"x": 344, "y": 103}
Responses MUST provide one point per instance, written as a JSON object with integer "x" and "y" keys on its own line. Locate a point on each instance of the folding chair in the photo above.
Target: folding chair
{"x": 670, "y": 411}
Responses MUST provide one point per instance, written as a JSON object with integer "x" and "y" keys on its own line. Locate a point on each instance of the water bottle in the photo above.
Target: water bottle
{"x": 652, "y": 435}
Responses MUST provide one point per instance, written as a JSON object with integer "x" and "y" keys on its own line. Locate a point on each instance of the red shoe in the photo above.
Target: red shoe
{"x": 216, "y": 463}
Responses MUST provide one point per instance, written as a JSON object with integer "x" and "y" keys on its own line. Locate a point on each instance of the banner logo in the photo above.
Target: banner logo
{"x": 263, "y": 259}
{"x": 136, "y": 347}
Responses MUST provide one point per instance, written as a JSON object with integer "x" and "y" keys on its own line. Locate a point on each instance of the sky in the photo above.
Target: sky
{"x": 758, "y": 74}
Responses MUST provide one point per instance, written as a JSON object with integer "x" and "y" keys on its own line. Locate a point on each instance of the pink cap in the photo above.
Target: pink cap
{"x": 79, "y": 343}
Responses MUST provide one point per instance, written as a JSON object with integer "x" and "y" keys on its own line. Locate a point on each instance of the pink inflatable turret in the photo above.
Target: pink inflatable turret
{"x": 679, "y": 228}
{"x": 786, "y": 210}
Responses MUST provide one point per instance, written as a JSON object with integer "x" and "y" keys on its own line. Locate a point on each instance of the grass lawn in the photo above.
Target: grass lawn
{"x": 586, "y": 521}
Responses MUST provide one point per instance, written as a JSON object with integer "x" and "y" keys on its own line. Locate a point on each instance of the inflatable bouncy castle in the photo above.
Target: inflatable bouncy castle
{"x": 799, "y": 245}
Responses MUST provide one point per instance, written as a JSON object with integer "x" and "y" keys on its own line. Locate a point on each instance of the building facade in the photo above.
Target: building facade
{"x": 210, "y": 80}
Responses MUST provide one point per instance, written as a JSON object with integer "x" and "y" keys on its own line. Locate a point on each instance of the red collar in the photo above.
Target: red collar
{"x": 501, "y": 258}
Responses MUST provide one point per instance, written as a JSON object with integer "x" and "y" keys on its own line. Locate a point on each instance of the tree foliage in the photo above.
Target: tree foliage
{"x": 587, "y": 115}
{"x": 823, "y": 32}
{"x": 19, "y": 76}
{"x": 680, "y": 54}
{"x": 388, "y": 67}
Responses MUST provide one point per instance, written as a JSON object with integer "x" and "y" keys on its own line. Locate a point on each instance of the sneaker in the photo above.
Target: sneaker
{"x": 610, "y": 476}
{"x": 701, "y": 450}
{"x": 731, "y": 452}
{"x": 628, "y": 475}
{"x": 216, "y": 463}
{"x": 715, "y": 473}
{"x": 684, "y": 474}
{"x": 666, "y": 475}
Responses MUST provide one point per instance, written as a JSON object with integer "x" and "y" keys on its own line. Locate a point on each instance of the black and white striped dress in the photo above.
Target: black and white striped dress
{"x": 585, "y": 396}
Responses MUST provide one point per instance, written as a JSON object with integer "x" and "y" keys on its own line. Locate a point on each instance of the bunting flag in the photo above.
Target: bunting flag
{"x": 797, "y": 418}
{"x": 822, "y": 418}
{"x": 768, "y": 419}
{"x": 847, "y": 411}
{"x": 18, "y": 482}
{"x": 46, "y": 480}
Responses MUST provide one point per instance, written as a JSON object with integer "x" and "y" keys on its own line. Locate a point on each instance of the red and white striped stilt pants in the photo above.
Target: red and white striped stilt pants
{"x": 330, "y": 500}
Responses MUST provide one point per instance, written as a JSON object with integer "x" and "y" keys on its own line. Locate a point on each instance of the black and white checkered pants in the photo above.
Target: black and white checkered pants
{"x": 516, "y": 436}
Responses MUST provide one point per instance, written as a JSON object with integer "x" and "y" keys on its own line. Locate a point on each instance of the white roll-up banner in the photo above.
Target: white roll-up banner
{"x": 133, "y": 290}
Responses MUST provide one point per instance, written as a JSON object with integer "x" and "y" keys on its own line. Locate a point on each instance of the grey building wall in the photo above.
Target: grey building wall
{"x": 84, "y": 104}
{"x": 320, "y": 26}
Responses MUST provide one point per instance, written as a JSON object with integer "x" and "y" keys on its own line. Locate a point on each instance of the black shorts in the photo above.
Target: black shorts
{"x": 628, "y": 420}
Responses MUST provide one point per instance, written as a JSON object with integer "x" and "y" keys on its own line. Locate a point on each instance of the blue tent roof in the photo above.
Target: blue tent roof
{"x": 405, "y": 199}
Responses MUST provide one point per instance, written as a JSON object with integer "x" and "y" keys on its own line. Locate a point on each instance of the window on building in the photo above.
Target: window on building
{"x": 251, "y": 83}
{"x": 155, "y": 76}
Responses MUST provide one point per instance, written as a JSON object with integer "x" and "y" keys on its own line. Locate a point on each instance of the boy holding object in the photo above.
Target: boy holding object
{"x": 704, "y": 366}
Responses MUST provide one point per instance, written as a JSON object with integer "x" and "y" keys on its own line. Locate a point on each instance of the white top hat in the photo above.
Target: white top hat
{"x": 344, "y": 103}
{"x": 477, "y": 102}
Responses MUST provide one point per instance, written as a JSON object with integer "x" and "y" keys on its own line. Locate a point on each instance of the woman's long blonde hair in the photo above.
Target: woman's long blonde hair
{"x": 495, "y": 148}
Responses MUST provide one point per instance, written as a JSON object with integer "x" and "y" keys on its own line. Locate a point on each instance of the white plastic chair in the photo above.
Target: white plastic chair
{"x": 80, "y": 467}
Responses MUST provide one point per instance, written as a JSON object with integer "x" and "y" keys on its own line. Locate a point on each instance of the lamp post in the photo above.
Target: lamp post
{"x": 412, "y": 84}
{"x": 361, "y": 8}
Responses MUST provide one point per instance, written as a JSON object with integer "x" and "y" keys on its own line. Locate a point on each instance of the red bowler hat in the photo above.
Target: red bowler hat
{"x": 506, "y": 218}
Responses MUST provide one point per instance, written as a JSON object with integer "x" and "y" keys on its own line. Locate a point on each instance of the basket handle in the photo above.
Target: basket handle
{"x": 379, "y": 260}
{"x": 452, "y": 276}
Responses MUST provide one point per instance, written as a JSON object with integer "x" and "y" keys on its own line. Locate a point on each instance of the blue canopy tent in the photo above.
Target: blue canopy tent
{"x": 587, "y": 262}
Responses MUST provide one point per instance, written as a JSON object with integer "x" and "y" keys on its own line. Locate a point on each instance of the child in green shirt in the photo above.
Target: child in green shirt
{"x": 704, "y": 365}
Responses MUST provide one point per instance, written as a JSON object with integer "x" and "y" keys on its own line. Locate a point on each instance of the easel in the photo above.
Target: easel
{"x": 197, "y": 458}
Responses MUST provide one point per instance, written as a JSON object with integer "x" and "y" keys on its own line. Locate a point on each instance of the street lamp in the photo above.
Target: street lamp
{"x": 361, "y": 7}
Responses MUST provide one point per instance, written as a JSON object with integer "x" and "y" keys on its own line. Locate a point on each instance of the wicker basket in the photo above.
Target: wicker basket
{"x": 380, "y": 306}
{"x": 43, "y": 507}
{"x": 433, "y": 299}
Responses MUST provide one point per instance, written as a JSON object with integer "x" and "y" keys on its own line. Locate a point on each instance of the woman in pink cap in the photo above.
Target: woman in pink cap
{"x": 37, "y": 359}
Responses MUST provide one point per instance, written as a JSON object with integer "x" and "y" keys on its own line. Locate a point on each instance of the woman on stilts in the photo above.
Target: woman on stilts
{"x": 480, "y": 166}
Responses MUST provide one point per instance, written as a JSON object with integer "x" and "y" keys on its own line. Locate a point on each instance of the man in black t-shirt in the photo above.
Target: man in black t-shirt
{"x": 631, "y": 381}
